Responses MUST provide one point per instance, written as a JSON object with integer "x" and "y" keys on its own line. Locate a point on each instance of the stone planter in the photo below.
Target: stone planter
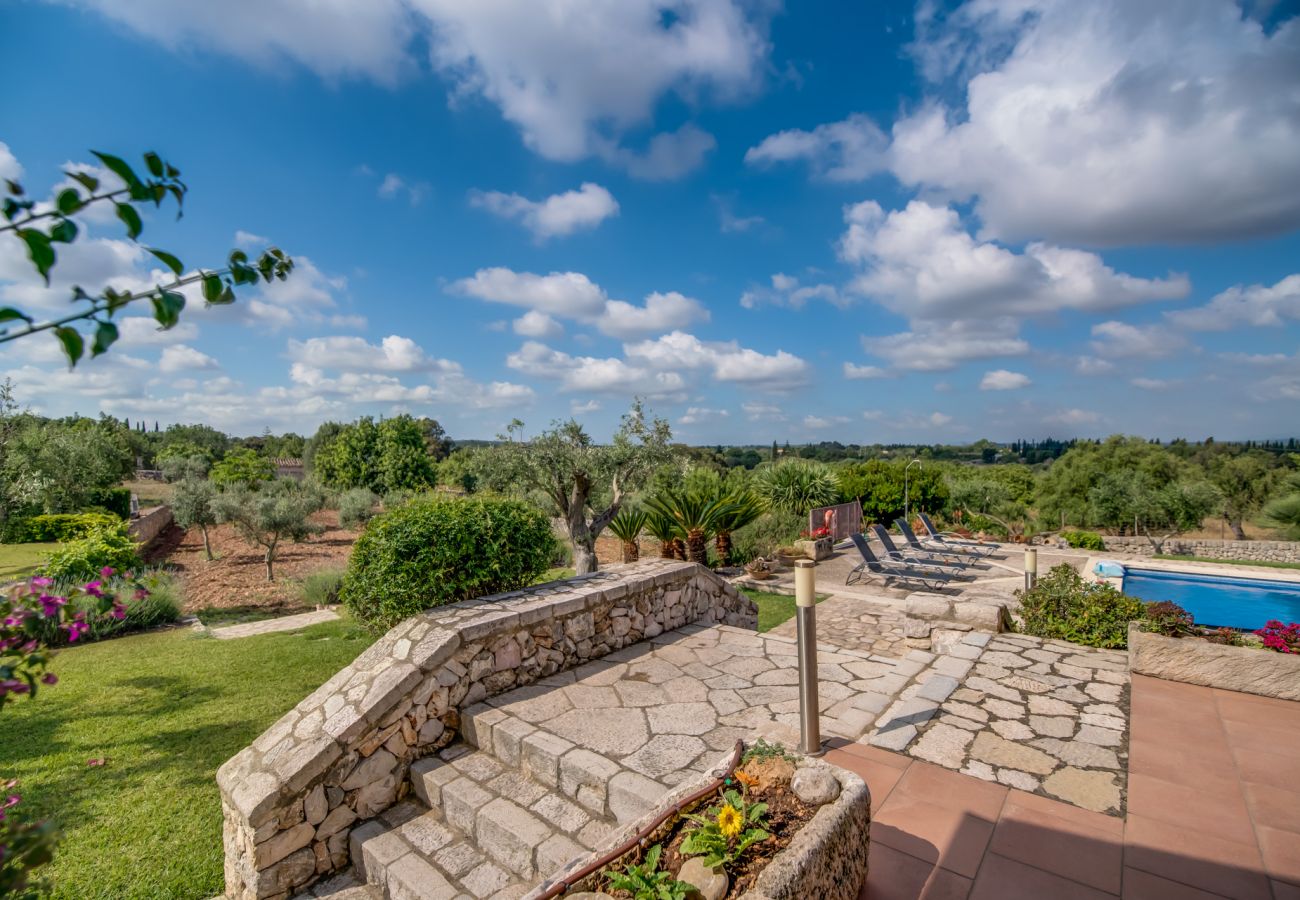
{"x": 816, "y": 550}
{"x": 826, "y": 859}
{"x": 1196, "y": 661}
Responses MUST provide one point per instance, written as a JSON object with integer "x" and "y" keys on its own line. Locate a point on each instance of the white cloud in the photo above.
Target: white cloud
{"x": 572, "y": 295}
{"x": 697, "y": 414}
{"x": 729, "y": 221}
{"x": 727, "y": 361}
{"x": 140, "y": 331}
{"x": 9, "y": 165}
{"x": 762, "y": 412}
{"x": 393, "y": 354}
{"x": 1121, "y": 339}
{"x": 662, "y": 312}
{"x": 1153, "y": 384}
{"x": 786, "y": 290}
{"x": 593, "y": 375}
{"x": 183, "y": 358}
{"x": 554, "y": 216}
{"x": 249, "y": 241}
{"x": 818, "y": 422}
{"x": 1004, "y": 380}
{"x": 850, "y": 150}
{"x": 1110, "y": 123}
{"x": 854, "y": 372}
{"x": 941, "y": 346}
{"x": 574, "y": 76}
{"x": 667, "y": 156}
{"x": 921, "y": 262}
{"x": 579, "y": 407}
{"x": 568, "y": 294}
{"x": 1257, "y": 305}
{"x": 1073, "y": 417}
{"x": 1091, "y": 365}
{"x": 394, "y": 185}
{"x": 537, "y": 325}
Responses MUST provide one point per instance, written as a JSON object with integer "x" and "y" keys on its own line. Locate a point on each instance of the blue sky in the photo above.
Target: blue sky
{"x": 889, "y": 223}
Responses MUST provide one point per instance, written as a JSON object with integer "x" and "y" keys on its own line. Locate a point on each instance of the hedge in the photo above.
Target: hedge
{"x": 435, "y": 550}
{"x": 1084, "y": 540}
{"x": 116, "y": 500}
{"x": 56, "y": 527}
{"x": 83, "y": 558}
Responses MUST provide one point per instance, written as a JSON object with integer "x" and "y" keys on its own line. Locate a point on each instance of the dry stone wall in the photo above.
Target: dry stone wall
{"x": 150, "y": 524}
{"x": 1260, "y": 551}
{"x": 291, "y": 799}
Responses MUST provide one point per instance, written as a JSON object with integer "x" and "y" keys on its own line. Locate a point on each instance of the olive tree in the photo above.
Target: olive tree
{"x": 194, "y": 504}
{"x": 1156, "y": 511}
{"x": 586, "y": 482}
{"x": 280, "y": 511}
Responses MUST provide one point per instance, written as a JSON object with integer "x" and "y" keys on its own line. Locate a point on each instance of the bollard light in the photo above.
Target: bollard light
{"x": 1031, "y": 567}
{"x": 805, "y": 601}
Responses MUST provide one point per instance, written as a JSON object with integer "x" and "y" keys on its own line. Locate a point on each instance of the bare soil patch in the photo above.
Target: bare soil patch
{"x": 237, "y": 577}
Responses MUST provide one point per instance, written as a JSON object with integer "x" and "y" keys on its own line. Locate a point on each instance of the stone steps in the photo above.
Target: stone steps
{"x": 477, "y": 827}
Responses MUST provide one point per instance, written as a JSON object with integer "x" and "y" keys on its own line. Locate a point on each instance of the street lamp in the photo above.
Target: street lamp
{"x": 906, "y": 511}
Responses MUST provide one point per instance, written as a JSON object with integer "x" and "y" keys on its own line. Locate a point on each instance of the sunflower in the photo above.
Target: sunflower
{"x": 730, "y": 821}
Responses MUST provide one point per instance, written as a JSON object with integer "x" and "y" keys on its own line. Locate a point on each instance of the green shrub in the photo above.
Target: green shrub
{"x": 434, "y": 550}
{"x": 1167, "y": 618}
{"x": 322, "y": 588}
{"x": 56, "y": 527}
{"x": 1066, "y": 607}
{"x": 1084, "y": 540}
{"x": 796, "y": 486}
{"x": 357, "y": 507}
{"x": 106, "y": 545}
{"x": 762, "y": 536}
{"x": 160, "y": 606}
{"x": 116, "y": 500}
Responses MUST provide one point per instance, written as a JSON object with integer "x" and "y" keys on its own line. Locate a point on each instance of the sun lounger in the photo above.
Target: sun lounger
{"x": 945, "y": 539}
{"x": 886, "y": 570}
{"x": 943, "y": 560}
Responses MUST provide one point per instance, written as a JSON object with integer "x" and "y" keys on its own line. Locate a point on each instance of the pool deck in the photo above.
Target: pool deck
{"x": 1213, "y": 812}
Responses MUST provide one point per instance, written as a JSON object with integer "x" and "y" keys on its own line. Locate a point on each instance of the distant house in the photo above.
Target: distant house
{"x": 290, "y": 468}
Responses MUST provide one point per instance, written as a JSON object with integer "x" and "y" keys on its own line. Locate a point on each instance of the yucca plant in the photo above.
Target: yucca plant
{"x": 797, "y": 485}
{"x": 696, "y": 517}
{"x": 742, "y": 508}
{"x": 627, "y": 527}
{"x": 664, "y": 530}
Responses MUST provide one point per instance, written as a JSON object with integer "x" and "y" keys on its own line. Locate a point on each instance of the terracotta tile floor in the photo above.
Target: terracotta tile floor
{"x": 1213, "y": 811}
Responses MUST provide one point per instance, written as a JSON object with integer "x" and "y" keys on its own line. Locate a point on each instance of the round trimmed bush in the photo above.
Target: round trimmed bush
{"x": 434, "y": 550}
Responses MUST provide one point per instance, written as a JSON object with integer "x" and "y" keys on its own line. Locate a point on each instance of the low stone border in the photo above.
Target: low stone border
{"x": 1194, "y": 661}
{"x": 291, "y": 799}
{"x": 827, "y": 858}
{"x": 936, "y": 622}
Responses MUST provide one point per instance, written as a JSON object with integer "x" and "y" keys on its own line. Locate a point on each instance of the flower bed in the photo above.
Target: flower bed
{"x": 780, "y": 828}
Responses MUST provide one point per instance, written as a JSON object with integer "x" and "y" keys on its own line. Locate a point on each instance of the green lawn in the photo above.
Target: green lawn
{"x": 165, "y": 709}
{"x": 773, "y": 609}
{"x": 1233, "y": 562}
{"x": 19, "y": 560}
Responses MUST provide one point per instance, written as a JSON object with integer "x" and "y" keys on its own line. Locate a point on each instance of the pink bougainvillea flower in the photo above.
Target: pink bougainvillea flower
{"x": 119, "y": 611}
{"x": 107, "y": 571}
{"x": 49, "y": 678}
{"x": 42, "y": 581}
{"x": 95, "y": 588}
{"x": 76, "y": 629}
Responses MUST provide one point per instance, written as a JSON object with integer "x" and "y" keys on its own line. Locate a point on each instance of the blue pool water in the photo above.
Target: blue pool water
{"x": 1214, "y": 600}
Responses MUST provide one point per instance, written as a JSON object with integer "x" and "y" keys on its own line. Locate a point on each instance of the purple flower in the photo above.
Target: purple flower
{"x": 94, "y": 588}
{"x": 49, "y": 678}
{"x": 76, "y": 629}
{"x": 107, "y": 571}
{"x": 42, "y": 581}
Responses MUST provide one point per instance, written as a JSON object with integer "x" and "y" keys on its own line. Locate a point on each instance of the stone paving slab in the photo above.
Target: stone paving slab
{"x": 271, "y": 626}
{"x": 854, "y": 623}
{"x": 1041, "y": 716}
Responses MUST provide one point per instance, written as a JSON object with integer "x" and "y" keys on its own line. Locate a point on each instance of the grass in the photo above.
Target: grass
{"x": 165, "y": 709}
{"x": 20, "y": 560}
{"x": 554, "y": 575}
{"x": 773, "y": 609}
{"x": 1233, "y": 562}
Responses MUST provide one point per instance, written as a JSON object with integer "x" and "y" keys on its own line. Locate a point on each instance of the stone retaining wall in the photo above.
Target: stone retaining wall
{"x": 342, "y": 755}
{"x": 1262, "y": 551}
{"x": 936, "y": 622}
{"x": 1246, "y": 669}
{"x": 150, "y": 524}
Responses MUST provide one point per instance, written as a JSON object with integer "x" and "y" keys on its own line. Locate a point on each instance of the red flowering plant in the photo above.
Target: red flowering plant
{"x": 27, "y": 613}
{"x": 815, "y": 534}
{"x": 1279, "y": 637}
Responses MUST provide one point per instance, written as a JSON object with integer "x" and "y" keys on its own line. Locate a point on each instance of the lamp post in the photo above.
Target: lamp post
{"x": 810, "y": 740}
{"x": 1031, "y": 568}
{"x": 906, "y": 509}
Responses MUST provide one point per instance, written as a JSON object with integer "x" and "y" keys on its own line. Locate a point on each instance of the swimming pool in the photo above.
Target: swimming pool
{"x": 1218, "y": 600}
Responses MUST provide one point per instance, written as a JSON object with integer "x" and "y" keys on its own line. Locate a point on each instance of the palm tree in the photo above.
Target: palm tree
{"x": 664, "y": 530}
{"x": 696, "y": 517}
{"x": 627, "y": 527}
{"x": 742, "y": 508}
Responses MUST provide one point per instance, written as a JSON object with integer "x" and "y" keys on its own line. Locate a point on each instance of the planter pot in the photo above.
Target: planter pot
{"x": 1195, "y": 661}
{"x": 817, "y": 550}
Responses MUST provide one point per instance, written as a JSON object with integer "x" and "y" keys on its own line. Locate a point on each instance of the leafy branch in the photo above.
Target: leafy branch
{"x": 41, "y": 229}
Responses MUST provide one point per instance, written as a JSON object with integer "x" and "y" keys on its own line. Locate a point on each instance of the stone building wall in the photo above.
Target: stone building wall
{"x": 342, "y": 755}
{"x": 1262, "y": 551}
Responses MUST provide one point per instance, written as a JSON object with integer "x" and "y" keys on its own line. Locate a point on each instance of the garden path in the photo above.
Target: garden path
{"x": 270, "y": 626}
